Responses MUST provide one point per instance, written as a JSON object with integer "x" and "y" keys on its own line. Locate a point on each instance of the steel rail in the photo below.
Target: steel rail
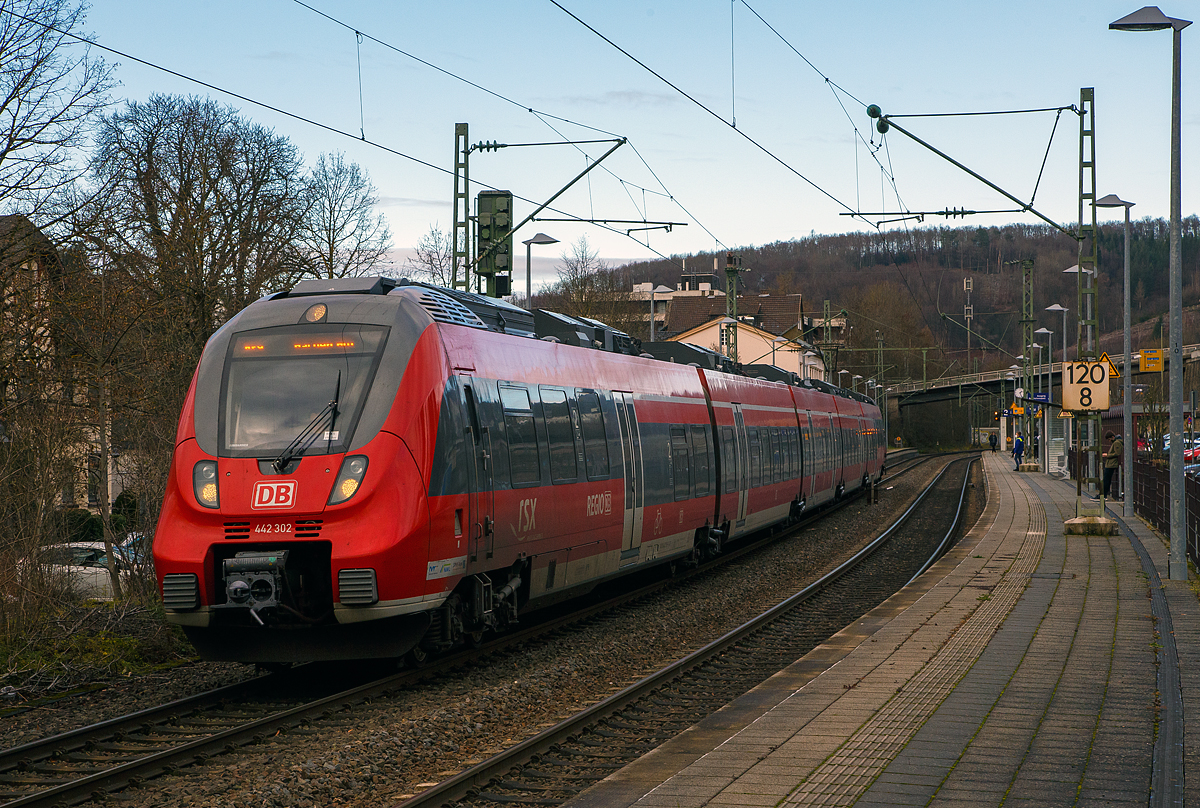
{"x": 471, "y": 780}
{"x": 99, "y": 784}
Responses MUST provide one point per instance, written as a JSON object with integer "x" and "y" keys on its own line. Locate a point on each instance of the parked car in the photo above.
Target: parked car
{"x": 85, "y": 566}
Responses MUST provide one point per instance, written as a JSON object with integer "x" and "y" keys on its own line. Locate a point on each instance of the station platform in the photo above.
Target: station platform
{"x": 1025, "y": 668}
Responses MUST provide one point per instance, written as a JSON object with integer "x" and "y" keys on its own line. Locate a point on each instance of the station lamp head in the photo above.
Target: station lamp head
{"x": 1148, "y": 18}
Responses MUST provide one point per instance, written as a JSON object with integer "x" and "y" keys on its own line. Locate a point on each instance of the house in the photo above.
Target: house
{"x": 45, "y": 413}
{"x": 757, "y": 346}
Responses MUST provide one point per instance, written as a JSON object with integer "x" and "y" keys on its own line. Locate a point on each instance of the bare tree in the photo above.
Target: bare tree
{"x": 195, "y": 212}
{"x": 342, "y": 236}
{"x": 588, "y": 287}
{"x": 50, "y": 87}
{"x": 434, "y": 259}
{"x": 201, "y": 207}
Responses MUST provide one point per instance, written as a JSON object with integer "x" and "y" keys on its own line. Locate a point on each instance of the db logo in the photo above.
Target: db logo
{"x": 274, "y": 494}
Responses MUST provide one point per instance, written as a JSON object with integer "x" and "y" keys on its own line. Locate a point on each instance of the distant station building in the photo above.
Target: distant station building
{"x": 772, "y": 329}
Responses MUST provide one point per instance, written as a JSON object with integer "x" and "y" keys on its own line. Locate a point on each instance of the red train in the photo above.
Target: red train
{"x": 368, "y": 469}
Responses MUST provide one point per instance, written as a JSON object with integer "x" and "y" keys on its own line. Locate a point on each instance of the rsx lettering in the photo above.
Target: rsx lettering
{"x": 528, "y": 519}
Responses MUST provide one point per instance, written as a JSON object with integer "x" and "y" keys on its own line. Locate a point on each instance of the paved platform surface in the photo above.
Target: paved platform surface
{"x": 1025, "y": 668}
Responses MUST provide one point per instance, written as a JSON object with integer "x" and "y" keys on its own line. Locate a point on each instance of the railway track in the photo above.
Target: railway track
{"x": 97, "y": 760}
{"x": 559, "y": 763}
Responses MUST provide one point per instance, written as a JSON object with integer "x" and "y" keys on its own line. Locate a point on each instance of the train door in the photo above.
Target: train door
{"x": 807, "y": 449}
{"x": 631, "y": 454}
{"x": 742, "y": 443}
{"x": 481, "y": 490}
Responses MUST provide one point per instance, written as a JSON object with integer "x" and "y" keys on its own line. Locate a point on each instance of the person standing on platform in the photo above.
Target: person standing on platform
{"x": 992, "y": 440}
{"x": 1018, "y": 450}
{"x": 1112, "y": 460}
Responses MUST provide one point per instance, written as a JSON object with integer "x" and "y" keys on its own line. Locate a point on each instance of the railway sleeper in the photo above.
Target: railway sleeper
{"x": 583, "y": 776}
{"x": 510, "y": 799}
{"x": 516, "y": 785}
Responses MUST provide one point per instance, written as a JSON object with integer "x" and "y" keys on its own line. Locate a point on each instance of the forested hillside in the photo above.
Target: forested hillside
{"x": 908, "y": 285}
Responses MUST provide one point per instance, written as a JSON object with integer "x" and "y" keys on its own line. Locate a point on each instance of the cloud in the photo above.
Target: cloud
{"x": 623, "y": 98}
{"x": 411, "y": 202}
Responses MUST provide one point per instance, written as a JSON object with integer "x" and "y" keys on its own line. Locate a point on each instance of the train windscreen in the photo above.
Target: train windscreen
{"x": 298, "y": 387}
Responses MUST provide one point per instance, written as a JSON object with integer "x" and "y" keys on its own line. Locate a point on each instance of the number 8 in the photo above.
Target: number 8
{"x": 1085, "y": 397}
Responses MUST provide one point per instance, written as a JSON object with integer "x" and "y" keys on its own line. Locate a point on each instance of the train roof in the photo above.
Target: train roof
{"x": 459, "y": 307}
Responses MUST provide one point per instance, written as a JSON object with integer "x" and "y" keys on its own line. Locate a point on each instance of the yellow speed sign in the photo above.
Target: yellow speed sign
{"x": 1085, "y": 386}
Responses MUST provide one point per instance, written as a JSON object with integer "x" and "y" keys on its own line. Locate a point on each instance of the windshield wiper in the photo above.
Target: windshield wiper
{"x": 309, "y": 434}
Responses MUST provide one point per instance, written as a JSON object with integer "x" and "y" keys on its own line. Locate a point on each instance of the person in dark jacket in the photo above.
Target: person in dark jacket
{"x": 1018, "y": 450}
{"x": 1112, "y": 460}
{"x": 992, "y": 440}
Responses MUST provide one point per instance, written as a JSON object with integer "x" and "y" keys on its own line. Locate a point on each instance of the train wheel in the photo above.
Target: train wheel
{"x": 841, "y": 489}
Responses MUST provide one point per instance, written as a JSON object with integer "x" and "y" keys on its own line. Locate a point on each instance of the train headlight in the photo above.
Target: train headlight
{"x": 349, "y": 478}
{"x": 204, "y": 483}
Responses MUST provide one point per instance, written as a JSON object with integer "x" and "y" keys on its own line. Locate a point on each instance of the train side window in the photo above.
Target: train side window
{"x": 794, "y": 437}
{"x": 789, "y": 460}
{"x": 680, "y": 469}
{"x": 728, "y": 460}
{"x": 755, "y": 458}
{"x": 776, "y": 456}
{"x": 595, "y": 444}
{"x": 561, "y": 434}
{"x": 700, "y": 461}
{"x": 524, "y": 458}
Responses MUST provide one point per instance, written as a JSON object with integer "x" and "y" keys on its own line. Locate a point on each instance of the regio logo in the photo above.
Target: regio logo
{"x": 274, "y": 494}
{"x": 599, "y": 504}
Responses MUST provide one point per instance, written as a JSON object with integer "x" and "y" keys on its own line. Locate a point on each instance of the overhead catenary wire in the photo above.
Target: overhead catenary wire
{"x": 541, "y": 115}
{"x": 703, "y": 106}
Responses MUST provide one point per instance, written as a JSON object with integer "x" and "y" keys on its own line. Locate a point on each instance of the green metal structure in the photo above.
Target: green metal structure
{"x": 461, "y": 242}
{"x": 733, "y": 265}
{"x": 1087, "y": 425}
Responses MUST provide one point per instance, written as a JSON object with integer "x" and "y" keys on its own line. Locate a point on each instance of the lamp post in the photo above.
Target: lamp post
{"x": 1064, "y": 310}
{"x": 1045, "y": 449}
{"x": 1012, "y": 378}
{"x": 540, "y": 238}
{"x": 854, "y": 382}
{"x": 1151, "y": 18}
{"x": 659, "y": 289}
{"x": 804, "y": 361}
{"x": 774, "y": 344}
{"x": 840, "y": 372}
{"x": 1113, "y": 201}
{"x": 726, "y": 324}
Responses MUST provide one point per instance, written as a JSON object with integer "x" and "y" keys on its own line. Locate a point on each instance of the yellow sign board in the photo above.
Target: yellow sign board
{"x": 1018, "y": 410}
{"x": 1065, "y": 414}
{"x": 1152, "y": 360}
{"x": 1113, "y": 373}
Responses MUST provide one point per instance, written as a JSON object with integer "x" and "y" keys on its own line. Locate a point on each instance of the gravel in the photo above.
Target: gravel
{"x": 378, "y": 754}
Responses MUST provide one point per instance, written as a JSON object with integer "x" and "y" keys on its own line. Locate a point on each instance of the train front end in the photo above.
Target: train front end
{"x": 295, "y": 525}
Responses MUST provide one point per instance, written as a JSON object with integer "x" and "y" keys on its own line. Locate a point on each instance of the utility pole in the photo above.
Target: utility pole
{"x": 460, "y": 236}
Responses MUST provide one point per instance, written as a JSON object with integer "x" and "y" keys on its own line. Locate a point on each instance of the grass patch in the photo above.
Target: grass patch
{"x": 82, "y": 644}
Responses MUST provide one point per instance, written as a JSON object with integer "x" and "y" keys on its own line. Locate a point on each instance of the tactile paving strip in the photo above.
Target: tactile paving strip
{"x": 854, "y": 765}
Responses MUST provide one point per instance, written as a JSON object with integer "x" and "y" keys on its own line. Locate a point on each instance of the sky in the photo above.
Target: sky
{"x": 802, "y": 153}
